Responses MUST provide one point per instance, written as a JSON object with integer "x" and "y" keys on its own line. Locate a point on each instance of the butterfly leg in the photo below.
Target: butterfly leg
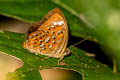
{"x": 60, "y": 60}
{"x": 67, "y": 52}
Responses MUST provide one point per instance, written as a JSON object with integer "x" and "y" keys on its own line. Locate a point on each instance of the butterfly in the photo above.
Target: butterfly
{"x": 49, "y": 36}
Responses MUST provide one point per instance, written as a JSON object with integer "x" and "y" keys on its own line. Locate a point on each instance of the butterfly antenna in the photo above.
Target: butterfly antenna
{"x": 81, "y": 41}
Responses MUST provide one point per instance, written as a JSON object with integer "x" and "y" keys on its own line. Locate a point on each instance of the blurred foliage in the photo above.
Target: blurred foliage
{"x": 97, "y": 18}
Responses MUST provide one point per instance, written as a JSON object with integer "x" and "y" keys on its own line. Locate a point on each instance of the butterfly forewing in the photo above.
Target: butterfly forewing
{"x": 49, "y": 36}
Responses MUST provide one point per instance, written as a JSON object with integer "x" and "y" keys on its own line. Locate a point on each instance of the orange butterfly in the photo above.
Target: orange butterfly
{"x": 49, "y": 36}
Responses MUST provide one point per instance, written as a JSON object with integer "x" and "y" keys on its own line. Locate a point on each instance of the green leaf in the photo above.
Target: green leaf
{"x": 99, "y": 20}
{"x": 24, "y": 74}
{"x": 87, "y": 67}
{"x": 34, "y": 10}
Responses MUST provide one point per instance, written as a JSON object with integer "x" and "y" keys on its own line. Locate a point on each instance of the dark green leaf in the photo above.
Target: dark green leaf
{"x": 77, "y": 61}
{"x": 34, "y": 10}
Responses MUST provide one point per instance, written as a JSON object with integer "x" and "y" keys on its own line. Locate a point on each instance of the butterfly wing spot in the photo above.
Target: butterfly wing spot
{"x": 50, "y": 46}
{"x": 43, "y": 48}
{"x": 48, "y": 29}
{"x": 60, "y": 22}
{"x": 60, "y": 39}
{"x": 52, "y": 26}
{"x": 47, "y": 39}
{"x": 54, "y": 23}
{"x": 39, "y": 41}
{"x": 52, "y": 32}
{"x": 53, "y": 41}
{"x": 59, "y": 32}
{"x": 53, "y": 37}
{"x": 42, "y": 45}
{"x": 63, "y": 28}
{"x": 35, "y": 34}
{"x": 43, "y": 35}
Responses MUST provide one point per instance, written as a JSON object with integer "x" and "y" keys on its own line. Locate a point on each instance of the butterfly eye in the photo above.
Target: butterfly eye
{"x": 67, "y": 51}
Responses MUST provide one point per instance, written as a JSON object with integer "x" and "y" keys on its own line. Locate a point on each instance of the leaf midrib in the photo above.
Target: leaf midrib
{"x": 80, "y": 16}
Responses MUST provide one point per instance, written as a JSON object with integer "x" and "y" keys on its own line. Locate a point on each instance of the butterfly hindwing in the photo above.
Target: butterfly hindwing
{"x": 49, "y": 36}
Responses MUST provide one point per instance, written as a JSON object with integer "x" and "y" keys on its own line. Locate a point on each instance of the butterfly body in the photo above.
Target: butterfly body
{"x": 49, "y": 36}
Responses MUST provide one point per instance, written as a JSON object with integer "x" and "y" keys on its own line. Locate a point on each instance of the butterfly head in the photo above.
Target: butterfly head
{"x": 67, "y": 52}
